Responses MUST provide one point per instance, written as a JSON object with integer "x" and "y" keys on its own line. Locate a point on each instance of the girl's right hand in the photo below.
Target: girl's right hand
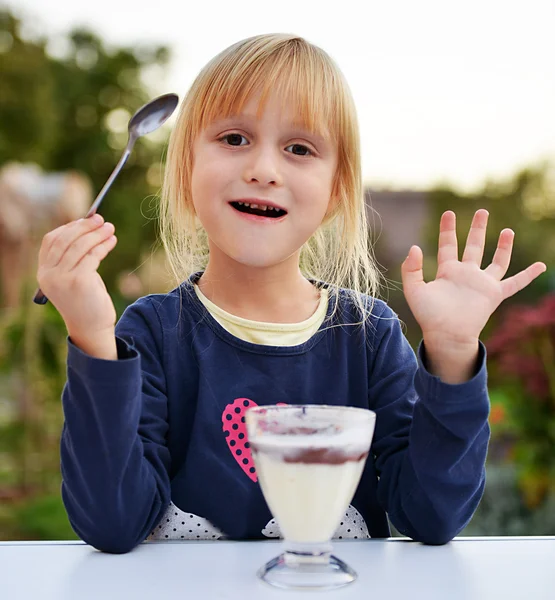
{"x": 69, "y": 257}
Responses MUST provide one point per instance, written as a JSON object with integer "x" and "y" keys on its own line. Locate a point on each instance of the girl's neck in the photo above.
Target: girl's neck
{"x": 277, "y": 294}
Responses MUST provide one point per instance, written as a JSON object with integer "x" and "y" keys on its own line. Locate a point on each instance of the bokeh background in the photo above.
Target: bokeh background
{"x": 456, "y": 112}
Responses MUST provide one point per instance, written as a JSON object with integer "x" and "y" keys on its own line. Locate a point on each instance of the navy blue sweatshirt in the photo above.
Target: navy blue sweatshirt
{"x": 146, "y": 436}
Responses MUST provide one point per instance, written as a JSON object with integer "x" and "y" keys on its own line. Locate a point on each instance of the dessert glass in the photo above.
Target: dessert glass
{"x": 309, "y": 460}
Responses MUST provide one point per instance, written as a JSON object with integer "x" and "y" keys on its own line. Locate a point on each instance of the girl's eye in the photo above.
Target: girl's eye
{"x": 300, "y": 150}
{"x": 233, "y": 139}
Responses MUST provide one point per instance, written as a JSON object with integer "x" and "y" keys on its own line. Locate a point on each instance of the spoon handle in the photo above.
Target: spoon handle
{"x": 98, "y": 200}
{"x": 39, "y": 297}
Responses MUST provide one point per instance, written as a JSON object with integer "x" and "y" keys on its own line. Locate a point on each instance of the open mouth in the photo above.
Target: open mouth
{"x": 271, "y": 212}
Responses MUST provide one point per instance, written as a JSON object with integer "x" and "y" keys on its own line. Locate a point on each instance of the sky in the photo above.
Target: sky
{"x": 446, "y": 93}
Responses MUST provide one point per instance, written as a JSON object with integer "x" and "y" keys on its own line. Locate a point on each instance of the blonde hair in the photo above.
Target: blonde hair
{"x": 339, "y": 253}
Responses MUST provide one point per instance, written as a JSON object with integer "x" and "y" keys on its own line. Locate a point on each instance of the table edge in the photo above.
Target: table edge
{"x": 391, "y": 539}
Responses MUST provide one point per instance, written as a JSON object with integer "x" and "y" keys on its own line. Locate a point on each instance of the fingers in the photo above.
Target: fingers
{"x": 48, "y": 240}
{"x": 92, "y": 259}
{"x": 517, "y": 282}
{"x": 83, "y": 245}
{"x": 55, "y": 243}
{"x": 502, "y": 257}
{"x": 411, "y": 269}
{"x": 476, "y": 240}
{"x": 448, "y": 248}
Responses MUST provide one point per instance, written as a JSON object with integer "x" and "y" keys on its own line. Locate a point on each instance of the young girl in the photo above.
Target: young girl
{"x": 263, "y": 219}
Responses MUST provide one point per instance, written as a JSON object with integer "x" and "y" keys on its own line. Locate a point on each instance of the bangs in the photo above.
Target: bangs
{"x": 294, "y": 71}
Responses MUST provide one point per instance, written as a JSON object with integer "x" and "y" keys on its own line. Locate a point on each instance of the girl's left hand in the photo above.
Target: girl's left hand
{"x": 455, "y": 307}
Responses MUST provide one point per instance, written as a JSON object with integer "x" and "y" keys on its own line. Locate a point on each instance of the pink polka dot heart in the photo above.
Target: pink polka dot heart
{"x": 235, "y": 428}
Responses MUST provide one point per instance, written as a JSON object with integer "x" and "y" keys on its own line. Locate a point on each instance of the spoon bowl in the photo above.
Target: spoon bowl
{"x": 152, "y": 115}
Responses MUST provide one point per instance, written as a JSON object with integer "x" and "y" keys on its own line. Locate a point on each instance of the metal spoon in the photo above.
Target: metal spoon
{"x": 146, "y": 120}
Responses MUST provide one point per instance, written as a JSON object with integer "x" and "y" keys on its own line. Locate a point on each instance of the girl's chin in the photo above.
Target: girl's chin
{"x": 253, "y": 257}
{"x": 256, "y": 252}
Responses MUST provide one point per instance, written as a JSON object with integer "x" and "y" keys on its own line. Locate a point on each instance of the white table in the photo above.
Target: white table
{"x": 465, "y": 569}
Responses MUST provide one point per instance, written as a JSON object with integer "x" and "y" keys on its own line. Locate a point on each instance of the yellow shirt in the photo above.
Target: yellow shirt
{"x": 268, "y": 334}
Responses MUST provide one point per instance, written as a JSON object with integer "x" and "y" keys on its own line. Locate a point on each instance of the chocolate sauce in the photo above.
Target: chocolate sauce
{"x": 324, "y": 456}
{"x": 313, "y": 456}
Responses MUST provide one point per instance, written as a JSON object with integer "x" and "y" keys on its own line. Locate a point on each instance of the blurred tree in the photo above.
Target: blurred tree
{"x": 65, "y": 113}
{"x": 520, "y": 498}
{"x": 27, "y": 100}
{"x": 72, "y": 112}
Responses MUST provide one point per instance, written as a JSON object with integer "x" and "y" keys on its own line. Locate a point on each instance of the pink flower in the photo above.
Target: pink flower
{"x": 523, "y": 344}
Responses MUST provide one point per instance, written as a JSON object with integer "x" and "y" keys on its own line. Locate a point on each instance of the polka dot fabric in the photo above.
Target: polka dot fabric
{"x": 179, "y": 525}
{"x": 272, "y": 530}
{"x": 235, "y": 430}
{"x": 352, "y": 527}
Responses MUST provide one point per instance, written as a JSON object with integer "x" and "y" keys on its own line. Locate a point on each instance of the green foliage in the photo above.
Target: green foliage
{"x": 65, "y": 114}
{"x": 502, "y": 511}
{"x": 521, "y": 354}
{"x": 520, "y": 490}
{"x": 71, "y": 113}
{"x": 43, "y": 518}
{"x": 27, "y": 96}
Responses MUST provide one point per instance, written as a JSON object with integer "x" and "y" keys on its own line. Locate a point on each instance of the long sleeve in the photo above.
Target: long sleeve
{"x": 431, "y": 438}
{"x": 114, "y": 460}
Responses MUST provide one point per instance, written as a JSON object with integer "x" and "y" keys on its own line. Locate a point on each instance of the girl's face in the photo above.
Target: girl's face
{"x": 243, "y": 166}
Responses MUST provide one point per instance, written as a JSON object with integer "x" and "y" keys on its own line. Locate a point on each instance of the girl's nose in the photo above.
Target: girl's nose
{"x": 263, "y": 167}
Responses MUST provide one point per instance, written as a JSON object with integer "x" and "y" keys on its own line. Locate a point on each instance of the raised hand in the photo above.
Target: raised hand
{"x": 454, "y": 308}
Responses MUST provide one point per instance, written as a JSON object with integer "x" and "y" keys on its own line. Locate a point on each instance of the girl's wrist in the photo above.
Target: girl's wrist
{"x": 452, "y": 362}
{"x": 98, "y": 345}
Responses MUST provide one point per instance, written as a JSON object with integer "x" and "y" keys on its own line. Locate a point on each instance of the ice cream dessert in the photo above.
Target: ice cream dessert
{"x": 309, "y": 467}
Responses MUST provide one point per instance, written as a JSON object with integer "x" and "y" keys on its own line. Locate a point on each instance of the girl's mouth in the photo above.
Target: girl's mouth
{"x": 269, "y": 212}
